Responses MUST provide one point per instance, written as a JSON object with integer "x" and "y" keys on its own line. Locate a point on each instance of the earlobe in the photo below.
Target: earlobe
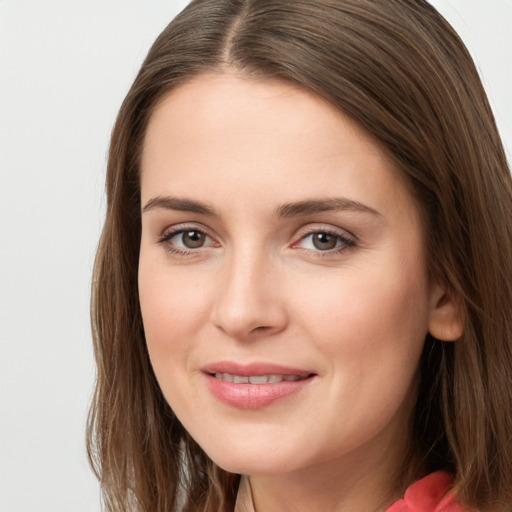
{"x": 446, "y": 322}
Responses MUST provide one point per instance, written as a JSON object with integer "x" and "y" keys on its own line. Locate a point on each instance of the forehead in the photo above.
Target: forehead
{"x": 212, "y": 102}
{"x": 222, "y": 129}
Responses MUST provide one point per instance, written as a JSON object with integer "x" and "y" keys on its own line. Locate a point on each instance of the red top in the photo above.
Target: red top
{"x": 430, "y": 494}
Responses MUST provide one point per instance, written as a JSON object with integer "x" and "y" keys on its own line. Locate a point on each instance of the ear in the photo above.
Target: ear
{"x": 446, "y": 322}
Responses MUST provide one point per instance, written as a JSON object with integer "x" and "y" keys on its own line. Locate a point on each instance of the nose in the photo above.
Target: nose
{"x": 249, "y": 303}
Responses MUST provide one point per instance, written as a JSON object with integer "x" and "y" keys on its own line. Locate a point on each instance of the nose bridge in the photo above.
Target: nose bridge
{"x": 247, "y": 300}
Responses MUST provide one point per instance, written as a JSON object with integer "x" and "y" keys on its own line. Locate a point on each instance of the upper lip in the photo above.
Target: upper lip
{"x": 253, "y": 369}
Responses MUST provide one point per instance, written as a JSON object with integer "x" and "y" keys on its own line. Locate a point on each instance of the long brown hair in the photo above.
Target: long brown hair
{"x": 400, "y": 71}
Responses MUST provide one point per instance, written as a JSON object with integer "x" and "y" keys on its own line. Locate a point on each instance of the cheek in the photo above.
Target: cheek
{"x": 173, "y": 309}
{"x": 370, "y": 327}
{"x": 368, "y": 314}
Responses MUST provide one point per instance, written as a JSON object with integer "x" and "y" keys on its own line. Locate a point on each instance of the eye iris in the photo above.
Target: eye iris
{"x": 193, "y": 239}
{"x": 324, "y": 241}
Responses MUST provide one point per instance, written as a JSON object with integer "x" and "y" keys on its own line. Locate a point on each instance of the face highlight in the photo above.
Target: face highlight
{"x": 282, "y": 278}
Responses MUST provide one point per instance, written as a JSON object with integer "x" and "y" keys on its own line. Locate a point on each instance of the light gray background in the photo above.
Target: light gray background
{"x": 65, "y": 67}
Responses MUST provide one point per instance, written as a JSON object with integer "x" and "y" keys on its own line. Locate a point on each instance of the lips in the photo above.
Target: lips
{"x": 256, "y": 385}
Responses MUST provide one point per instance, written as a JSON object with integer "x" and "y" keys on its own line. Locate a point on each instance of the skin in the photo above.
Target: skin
{"x": 257, "y": 288}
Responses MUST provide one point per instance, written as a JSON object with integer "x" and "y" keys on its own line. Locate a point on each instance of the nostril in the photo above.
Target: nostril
{"x": 261, "y": 328}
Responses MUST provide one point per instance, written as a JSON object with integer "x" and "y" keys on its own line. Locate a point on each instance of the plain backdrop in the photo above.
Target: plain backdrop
{"x": 65, "y": 67}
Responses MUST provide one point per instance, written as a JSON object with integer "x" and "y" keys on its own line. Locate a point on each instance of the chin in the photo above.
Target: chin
{"x": 253, "y": 461}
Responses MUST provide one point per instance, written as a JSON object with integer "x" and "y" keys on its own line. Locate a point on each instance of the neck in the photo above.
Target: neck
{"x": 366, "y": 481}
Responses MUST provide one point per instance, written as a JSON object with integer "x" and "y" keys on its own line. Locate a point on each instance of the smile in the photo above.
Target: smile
{"x": 256, "y": 385}
{"x": 258, "y": 379}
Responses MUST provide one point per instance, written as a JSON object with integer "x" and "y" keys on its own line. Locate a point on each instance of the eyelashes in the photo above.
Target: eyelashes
{"x": 320, "y": 242}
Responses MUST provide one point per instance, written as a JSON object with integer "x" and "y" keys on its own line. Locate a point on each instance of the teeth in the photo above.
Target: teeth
{"x": 257, "y": 379}
{"x": 224, "y": 376}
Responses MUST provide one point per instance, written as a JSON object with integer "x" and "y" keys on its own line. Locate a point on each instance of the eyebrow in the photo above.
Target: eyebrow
{"x": 323, "y": 205}
{"x": 176, "y": 203}
{"x": 284, "y": 211}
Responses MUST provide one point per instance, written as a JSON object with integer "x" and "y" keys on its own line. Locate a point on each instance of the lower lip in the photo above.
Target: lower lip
{"x": 253, "y": 396}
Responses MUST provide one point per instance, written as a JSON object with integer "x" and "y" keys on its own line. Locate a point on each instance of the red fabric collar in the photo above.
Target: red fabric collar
{"x": 430, "y": 494}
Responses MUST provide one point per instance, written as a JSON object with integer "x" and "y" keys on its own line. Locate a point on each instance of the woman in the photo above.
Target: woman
{"x": 305, "y": 271}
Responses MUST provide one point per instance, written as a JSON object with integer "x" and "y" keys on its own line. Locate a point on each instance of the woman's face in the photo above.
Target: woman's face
{"x": 282, "y": 278}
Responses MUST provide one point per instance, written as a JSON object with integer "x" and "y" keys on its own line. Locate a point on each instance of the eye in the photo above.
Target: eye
{"x": 325, "y": 241}
{"x": 185, "y": 240}
{"x": 189, "y": 239}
